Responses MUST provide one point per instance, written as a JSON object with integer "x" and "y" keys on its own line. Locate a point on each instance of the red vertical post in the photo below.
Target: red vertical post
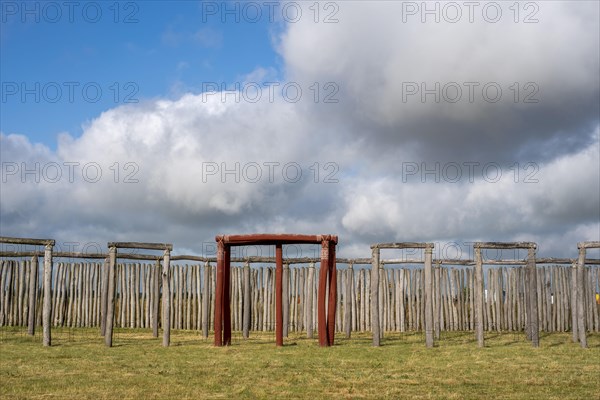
{"x": 278, "y": 295}
{"x": 332, "y": 294}
{"x": 219, "y": 293}
{"x": 226, "y": 296}
{"x": 322, "y": 317}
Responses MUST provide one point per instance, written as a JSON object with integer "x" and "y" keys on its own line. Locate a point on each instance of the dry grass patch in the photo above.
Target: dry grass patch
{"x": 78, "y": 366}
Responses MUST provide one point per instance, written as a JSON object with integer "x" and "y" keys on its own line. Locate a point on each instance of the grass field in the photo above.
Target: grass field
{"x": 78, "y": 366}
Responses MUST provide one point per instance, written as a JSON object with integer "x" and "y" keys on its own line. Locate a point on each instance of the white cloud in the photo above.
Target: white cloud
{"x": 370, "y": 135}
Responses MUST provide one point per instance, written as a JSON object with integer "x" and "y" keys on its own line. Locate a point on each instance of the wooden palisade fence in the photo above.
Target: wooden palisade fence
{"x": 557, "y": 295}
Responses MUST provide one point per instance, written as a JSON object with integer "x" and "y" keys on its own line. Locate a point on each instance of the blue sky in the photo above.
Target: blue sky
{"x": 154, "y": 49}
{"x": 412, "y": 149}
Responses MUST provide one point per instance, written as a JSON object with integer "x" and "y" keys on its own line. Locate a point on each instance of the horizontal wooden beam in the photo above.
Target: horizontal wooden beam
{"x": 552, "y": 260}
{"x": 588, "y": 245}
{"x": 504, "y": 245}
{"x": 402, "y": 261}
{"x": 141, "y": 245}
{"x": 274, "y": 239}
{"x": 34, "y": 242}
{"x": 455, "y": 261}
{"x": 62, "y": 254}
{"x": 403, "y": 245}
{"x": 291, "y": 261}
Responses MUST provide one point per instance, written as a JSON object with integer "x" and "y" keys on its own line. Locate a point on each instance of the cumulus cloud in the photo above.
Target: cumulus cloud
{"x": 385, "y": 59}
{"x": 374, "y": 166}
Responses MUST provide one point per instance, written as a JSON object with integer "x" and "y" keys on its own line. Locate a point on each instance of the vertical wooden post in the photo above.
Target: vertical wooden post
{"x": 527, "y": 298}
{"x": 331, "y": 309}
{"x": 278, "y": 295}
{"x": 429, "y": 329}
{"x": 33, "y": 284}
{"x": 478, "y": 297}
{"x": 104, "y": 295}
{"x": 574, "y": 324}
{"x": 156, "y": 297}
{"x": 110, "y": 299}
{"x": 206, "y": 300}
{"x": 581, "y": 328}
{"x": 247, "y": 300}
{"x": 309, "y": 300}
{"x": 166, "y": 298}
{"x": 226, "y": 296}
{"x": 47, "y": 311}
{"x": 322, "y": 317}
{"x": 219, "y": 294}
{"x": 286, "y": 299}
{"x": 348, "y": 302}
{"x": 438, "y": 299}
{"x": 375, "y": 296}
{"x": 533, "y": 298}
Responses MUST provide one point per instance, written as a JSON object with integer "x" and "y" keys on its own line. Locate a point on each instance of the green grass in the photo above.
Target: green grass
{"x": 79, "y": 366}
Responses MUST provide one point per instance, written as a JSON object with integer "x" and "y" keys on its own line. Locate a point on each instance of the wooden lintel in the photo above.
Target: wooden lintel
{"x": 141, "y": 245}
{"x": 29, "y": 241}
{"x": 504, "y": 245}
{"x": 403, "y": 245}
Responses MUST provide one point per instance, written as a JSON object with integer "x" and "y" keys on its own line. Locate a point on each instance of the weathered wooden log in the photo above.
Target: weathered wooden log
{"x": 411, "y": 299}
{"x": 581, "y": 323}
{"x": 141, "y": 245}
{"x": 479, "y": 298}
{"x": 8, "y": 298}
{"x": 375, "y": 296}
{"x": 301, "y": 318}
{"x": 199, "y": 297}
{"x": 364, "y": 296}
{"x": 338, "y": 301}
{"x": 21, "y": 292}
{"x": 293, "y": 301}
{"x": 80, "y": 294}
{"x": 309, "y": 301}
{"x": 381, "y": 299}
{"x": 279, "y": 296}
{"x": 533, "y": 298}
{"x": 247, "y": 299}
{"x": 112, "y": 283}
{"x": 285, "y": 294}
{"x": 487, "y": 317}
{"x": 348, "y": 301}
{"x": 47, "y": 293}
{"x": 429, "y": 328}
{"x": 594, "y": 306}
{"x": 3, "y": 269}
{"x": 436, "y": 301}
{"x": 104, "y": 298}
{"x": 34, "y": 242}
{"x": 156, "y": 281}
{"x": 136, "y": 296}
{"x": 420, "y": 299}
{"x": 206, "y": 300}
{"x": 504, "y": 245}
{"x": 166, "y": 297}
{"x": 33, "y": 280}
